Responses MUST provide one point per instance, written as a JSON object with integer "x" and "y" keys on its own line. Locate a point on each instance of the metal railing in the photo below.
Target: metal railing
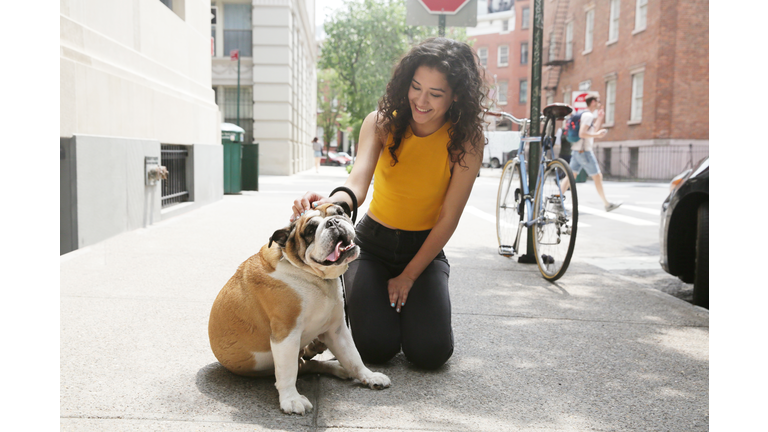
{"x": 174, "y": 157}
{"x": 649, "y": 162}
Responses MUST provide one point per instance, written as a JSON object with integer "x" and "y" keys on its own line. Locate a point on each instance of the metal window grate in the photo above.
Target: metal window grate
{"x": 174, "y": 157}
{"x": 651, "y": 162}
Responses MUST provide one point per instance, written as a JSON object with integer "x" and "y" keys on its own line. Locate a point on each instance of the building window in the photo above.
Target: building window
{"x": 505, "y": 25}
{"x": 551, "y": 46}
{"x": 237, "y": 29}
{"x": 636, "y": 109}
{"x": 569, "y": 41}
{"x": 482, "y": 54}
{"x": 503, "y": 93}
{"x": 526, "y": 17}
{"x": 613, "y": 25}
{"x": 503, "y": 55}
{"x": 524, "y": 53}
{"x": 168, "y": 3}
{"x": 610, "y": 101}
{"x": 523, "y": 92}
{"x": 567, "y": 96}
{"x": 246, "y": 109}
{"x": 214, "y": 12}
{"x": 641, "y": 14}
{"x": 589, "y": 30}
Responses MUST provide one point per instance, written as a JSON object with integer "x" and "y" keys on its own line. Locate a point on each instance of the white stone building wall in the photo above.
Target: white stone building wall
{"x": 282, "y": 74}
{"x": 134, "y": 74}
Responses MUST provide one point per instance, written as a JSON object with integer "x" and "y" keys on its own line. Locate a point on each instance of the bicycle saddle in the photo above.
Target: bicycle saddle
{"x": 558, "y": 110}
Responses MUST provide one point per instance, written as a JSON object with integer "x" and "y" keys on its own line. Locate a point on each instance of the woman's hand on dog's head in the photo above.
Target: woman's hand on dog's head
{"x": 309, "y": 201}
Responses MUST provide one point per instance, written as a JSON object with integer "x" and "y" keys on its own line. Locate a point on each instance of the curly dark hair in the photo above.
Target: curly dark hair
{"x": 466, "y": 78}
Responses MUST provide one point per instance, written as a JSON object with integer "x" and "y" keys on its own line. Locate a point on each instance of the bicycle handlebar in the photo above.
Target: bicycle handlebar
{"x": 510, "y": 117}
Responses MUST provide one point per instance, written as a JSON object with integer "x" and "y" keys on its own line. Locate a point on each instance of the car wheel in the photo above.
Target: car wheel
{"x": 495, "y": 163}
{"x": 701, "y": 278}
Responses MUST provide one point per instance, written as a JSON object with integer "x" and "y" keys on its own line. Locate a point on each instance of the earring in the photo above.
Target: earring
{"x": 451, "y": 116}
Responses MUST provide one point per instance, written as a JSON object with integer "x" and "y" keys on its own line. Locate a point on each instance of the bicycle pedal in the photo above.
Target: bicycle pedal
{"x": 506, "y": 251}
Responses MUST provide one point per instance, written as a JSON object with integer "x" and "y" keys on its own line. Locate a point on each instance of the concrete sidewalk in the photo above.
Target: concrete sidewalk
{"x": 590, "y": 352}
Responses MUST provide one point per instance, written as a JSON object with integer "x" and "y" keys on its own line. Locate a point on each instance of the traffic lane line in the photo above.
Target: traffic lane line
{"x": 613, "y": 216}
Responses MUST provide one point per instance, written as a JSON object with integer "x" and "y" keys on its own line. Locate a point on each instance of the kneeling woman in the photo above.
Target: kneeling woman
{"x": 423, "y": 148}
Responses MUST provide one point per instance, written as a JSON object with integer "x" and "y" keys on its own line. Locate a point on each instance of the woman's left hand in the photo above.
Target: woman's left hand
{"x": 398, "y": 291}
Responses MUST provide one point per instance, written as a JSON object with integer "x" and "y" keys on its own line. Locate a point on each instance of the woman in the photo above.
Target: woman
{"x": 317, "y": 147}
{"x": 425, "y": 147}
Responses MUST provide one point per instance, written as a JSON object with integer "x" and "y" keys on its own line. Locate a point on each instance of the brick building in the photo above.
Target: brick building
{"x": 502, "y": 41}
{"x": 649, "y": 61}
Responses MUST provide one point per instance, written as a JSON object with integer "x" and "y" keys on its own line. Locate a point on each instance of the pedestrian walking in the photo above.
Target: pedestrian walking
{"x": 582, "y": 154}
{"x": 317, "y": 147}
{"x": 423, "y": 147}
{"x": 565, "y": 146}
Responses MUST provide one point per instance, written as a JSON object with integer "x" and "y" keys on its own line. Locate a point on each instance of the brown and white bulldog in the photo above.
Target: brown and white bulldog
{"x": 285, "y": 304}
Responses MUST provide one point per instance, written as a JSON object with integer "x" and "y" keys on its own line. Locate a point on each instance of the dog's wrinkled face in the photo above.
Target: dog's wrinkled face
{"x": 322, "y": 239}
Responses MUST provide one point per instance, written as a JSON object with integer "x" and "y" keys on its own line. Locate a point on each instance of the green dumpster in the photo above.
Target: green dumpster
{"x": 581, "y": 177}
{"x": 251, "y": 167}
{"x": 232, "y": 137}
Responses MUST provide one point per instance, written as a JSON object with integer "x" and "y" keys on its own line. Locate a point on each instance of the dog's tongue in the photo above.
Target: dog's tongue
{"x": 333, "y": 256}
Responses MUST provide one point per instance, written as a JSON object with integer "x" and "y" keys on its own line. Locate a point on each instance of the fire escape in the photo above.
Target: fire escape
{"x": 555, "y": 48}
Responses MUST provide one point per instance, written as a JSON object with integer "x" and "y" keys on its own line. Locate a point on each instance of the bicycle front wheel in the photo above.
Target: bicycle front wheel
{"x": 556, "y": 214}
{"x": 510, "y": 207}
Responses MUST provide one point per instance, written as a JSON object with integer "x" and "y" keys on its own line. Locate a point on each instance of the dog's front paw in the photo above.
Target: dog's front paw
{"x": 295, "y": 405}
{"x": 375, "y": 380}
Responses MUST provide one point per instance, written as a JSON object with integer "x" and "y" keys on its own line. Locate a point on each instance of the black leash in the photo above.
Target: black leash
{"x": 353, "y": 214}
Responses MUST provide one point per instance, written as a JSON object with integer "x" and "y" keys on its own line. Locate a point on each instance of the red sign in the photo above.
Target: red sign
{"x": 234, "y": 54}
{"x": 579, "y": 99}
{"x": 443, "y": 7}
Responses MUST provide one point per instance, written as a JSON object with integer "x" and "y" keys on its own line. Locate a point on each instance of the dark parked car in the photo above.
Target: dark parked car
{"x": 684, "y": 231}
{"x": 336, "y": 159}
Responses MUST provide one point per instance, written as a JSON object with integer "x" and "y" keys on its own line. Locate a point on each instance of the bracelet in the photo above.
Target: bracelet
{"x": 351, "y": 195}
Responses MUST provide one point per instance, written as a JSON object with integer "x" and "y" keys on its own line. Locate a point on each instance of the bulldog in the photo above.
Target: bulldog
{"x": 285, "y": 304}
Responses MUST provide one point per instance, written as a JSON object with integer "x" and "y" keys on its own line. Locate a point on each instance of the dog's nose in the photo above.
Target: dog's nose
{"x": 332, "y": 223}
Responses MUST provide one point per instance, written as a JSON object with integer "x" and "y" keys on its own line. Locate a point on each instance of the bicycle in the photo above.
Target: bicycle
{"x": 552, "y": 213}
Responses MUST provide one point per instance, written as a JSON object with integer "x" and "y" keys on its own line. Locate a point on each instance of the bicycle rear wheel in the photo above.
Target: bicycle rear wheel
{"x": 556, "y": 215}
{"x": 510, "y": 207}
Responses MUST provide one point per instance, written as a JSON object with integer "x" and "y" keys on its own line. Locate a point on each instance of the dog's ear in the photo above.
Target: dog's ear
{"x": 280, "y": 236}
{"x": 344, "y": 207}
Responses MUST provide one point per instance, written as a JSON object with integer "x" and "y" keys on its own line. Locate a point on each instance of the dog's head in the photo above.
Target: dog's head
{"x": 321, "y": 241}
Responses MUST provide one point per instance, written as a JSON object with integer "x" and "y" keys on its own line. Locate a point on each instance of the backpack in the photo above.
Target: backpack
{"x": 572, "y": 126}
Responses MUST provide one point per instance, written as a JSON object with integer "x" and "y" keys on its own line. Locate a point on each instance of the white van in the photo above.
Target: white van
{"x": 500, "y": 144}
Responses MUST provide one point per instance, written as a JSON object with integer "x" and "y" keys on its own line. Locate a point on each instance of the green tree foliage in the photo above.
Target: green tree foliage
{"x": 365, "y": 39}
{"x": 330, "y": 104}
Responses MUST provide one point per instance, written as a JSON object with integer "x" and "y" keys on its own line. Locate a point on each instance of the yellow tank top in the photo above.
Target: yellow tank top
{"x": 409, "y": 195}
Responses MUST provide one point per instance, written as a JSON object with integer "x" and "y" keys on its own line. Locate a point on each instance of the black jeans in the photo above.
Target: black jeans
{"x": 422, "y": 328}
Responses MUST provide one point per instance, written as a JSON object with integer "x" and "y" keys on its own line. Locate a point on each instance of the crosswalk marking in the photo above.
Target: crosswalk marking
{"x": 479, "y": 213}
{"x": 655, "y": 212}
{"x": 492, "y": 218}
{"x": 617, "y": 217}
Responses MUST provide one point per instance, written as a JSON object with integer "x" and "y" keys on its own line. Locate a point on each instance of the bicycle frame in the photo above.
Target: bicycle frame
{"x": 543, "y": 161}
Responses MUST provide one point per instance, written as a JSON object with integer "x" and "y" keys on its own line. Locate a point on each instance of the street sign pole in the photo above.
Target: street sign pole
{"x": 238, "y": 88}
{"x": 534, "y": 129}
